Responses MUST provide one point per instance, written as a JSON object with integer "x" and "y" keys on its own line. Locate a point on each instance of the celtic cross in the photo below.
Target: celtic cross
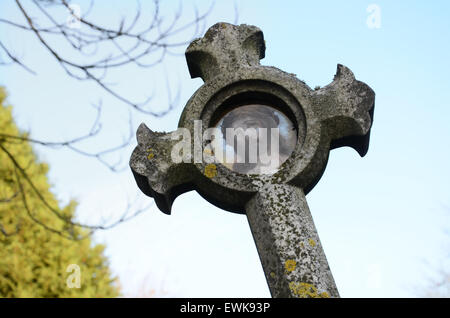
{"x": 237, "y": 92}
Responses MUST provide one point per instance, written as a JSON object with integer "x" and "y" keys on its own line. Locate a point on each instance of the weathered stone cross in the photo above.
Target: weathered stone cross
{"x": 339, "y": 114}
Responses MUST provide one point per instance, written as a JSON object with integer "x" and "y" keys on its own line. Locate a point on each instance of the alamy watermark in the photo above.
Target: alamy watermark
{"x": 252, "y": 150}
{"x": 73, "y": 20}
{"x": 74, "y": 279}
{"x": 374, "y": 18}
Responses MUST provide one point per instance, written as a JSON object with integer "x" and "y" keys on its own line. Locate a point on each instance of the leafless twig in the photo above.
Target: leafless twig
{"x": 153, "y": 42}
{"x": 141, "y": 41}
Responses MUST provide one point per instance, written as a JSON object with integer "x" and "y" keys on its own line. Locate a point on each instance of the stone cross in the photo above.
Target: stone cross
{"x": 339, "y": 114}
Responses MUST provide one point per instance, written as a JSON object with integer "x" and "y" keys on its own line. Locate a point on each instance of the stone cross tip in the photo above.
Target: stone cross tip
{"x": 224, "y": 47}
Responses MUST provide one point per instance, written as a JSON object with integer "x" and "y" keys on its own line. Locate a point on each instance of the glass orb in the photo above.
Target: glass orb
{"x": 254, "y": 139}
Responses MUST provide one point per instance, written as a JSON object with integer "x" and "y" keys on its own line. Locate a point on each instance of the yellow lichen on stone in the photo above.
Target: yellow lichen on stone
{"x": 150, "y": 153}
{"x": 208, "y": 152}
{"x": 290, "y": 265}
{"x": 210, "y": 170}
{"x": 305, "y": 290}
{"x": 312, "y": 242}
{"x": 272, "y": 274}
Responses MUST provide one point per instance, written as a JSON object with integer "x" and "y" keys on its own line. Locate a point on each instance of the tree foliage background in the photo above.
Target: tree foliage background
{"x": 34, "y": 260}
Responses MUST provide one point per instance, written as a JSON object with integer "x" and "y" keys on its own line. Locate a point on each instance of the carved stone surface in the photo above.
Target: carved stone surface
{"x": 339, "y": 114}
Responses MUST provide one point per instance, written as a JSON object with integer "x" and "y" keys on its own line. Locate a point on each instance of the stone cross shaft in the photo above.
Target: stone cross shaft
{"x": 339, "y": 114}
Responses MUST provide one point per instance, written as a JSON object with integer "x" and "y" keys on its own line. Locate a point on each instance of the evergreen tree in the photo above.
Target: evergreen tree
{"x": 36, "y": 251}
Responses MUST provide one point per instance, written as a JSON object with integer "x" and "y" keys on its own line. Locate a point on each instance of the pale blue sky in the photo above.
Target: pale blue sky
{"x": 380, "y": 218}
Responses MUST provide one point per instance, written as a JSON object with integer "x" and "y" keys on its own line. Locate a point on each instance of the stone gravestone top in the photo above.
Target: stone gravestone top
{"x": 255, "y": 140}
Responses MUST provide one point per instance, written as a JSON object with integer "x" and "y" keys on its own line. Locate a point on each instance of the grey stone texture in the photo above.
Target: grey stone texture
{"x": 290, "y": 251}
{"x": 339, "y": 114}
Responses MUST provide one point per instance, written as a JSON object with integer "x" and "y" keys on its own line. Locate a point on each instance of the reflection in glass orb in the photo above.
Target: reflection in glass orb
{"x": 254, "y": 139}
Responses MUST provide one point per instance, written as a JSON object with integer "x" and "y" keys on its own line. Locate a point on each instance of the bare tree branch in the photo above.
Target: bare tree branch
{"x": 95, "y": 50}
{"x": 9, "y": 199}
{"x": 71, "y": 143}
{"x": 6, "y": 233}
{"x": 15, "y": 59}
{"x": 21, "y": 174}
{"x": 155, "y": 39}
